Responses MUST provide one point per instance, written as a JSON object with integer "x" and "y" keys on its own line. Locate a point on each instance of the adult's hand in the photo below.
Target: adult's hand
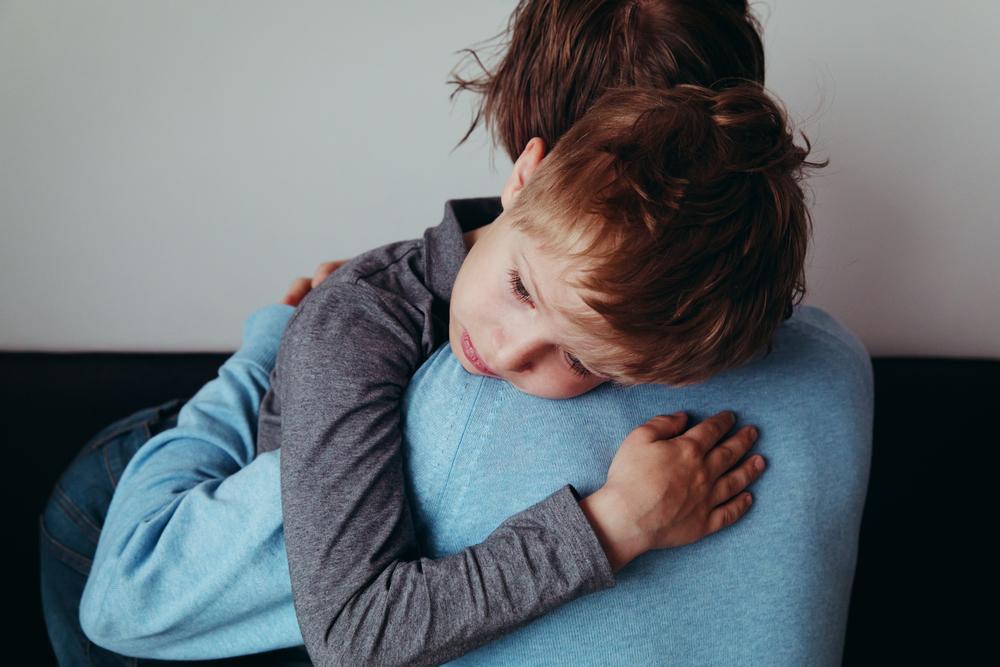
{"x": 301, "y": 286}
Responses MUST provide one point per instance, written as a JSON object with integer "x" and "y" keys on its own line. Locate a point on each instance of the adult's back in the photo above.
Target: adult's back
{"x": 775, "y": 586}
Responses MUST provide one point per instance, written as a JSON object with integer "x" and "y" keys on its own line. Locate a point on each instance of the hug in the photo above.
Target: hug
{"x": 524, "y": 437}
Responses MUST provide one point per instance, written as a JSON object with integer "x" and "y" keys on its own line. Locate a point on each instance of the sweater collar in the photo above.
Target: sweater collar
{"x": 444, "y": 245}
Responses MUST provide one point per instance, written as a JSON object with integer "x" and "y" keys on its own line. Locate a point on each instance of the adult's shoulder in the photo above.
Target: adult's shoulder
{"x": 826, "y": 329}
{"x": 813, "y": 339}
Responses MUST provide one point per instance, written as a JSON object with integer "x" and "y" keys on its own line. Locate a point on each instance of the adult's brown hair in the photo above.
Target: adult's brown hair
{"x": 678, "y": 215}
{"x": 559, "y": 56}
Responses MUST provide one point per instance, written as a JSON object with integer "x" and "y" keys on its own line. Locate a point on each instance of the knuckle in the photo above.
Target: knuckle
{"x": 731, "y": 514}
{"x": 646, "y": 430}
{"x": 728, "y": 487}
{"x": 737, "y": 486}
{"x": 750, "y": 468}
{"x": 741, "y": 505}
{"x": 718, "y": 428}
{"x": 689, "y": 449}
{"x": 728, "y": 456}
{"x": 741, "y": 478}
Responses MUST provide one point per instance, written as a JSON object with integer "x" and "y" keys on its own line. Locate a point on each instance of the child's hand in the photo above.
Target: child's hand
{"x": 301, "y": 286}
{"x": 667, "y": 487}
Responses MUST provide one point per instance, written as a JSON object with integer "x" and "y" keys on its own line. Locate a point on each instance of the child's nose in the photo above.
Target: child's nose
{"x": 519, "y": 351}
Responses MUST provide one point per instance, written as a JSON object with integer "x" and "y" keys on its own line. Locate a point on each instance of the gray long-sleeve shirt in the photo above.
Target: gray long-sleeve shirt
{"x": 362, "y": 592}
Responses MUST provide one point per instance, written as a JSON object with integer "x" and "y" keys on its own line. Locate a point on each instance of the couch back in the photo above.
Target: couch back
{"x": 913, "y": 575}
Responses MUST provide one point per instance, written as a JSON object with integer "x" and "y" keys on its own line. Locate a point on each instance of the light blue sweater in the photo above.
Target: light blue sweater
{"x": 191, "y": 562}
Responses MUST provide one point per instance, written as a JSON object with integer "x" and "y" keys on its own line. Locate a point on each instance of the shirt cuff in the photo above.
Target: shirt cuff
{"x": 573, "y": 526}
{"x": 262, "y": 334}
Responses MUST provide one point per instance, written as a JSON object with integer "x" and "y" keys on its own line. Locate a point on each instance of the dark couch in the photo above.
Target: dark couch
{"x": 909, "y": 599}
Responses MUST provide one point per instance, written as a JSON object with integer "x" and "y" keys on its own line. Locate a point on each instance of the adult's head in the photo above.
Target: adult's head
{"x": 558, "y": 57}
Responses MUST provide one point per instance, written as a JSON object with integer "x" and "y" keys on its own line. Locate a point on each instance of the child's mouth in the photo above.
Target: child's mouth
{"x": 473, "y": 356}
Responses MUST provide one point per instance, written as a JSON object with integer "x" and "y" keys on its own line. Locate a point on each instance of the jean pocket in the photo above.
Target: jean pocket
{"x": 58, "y": 549}
{"x": 117, "y": 443}
{"x": 142, "y": 418}
{"x": 74, "y": 514}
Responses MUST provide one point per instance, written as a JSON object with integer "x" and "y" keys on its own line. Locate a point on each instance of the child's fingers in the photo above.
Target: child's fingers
{"x": 728, "y": 514}
{"x": 732, "y": 483}
{"x": 725, "y": 455}
{"x": 664, "y": 427}
{"x": 711, "y": 430}
{"x": 299, "y": 288}
{"x": 325, "y": 269}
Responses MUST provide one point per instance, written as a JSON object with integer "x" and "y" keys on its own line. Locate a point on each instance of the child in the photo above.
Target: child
{"x": 661, "y": 241}
{"x": 731, "y": 49}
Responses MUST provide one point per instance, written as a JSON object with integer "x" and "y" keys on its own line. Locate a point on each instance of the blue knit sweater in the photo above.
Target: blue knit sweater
{"x": 191, "y": 561}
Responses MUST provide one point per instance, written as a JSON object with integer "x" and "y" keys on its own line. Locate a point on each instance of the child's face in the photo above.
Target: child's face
{"x": 517, "y": 337}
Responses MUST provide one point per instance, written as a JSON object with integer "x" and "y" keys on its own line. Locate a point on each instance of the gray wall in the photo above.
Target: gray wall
{"x": 167, "y": 167}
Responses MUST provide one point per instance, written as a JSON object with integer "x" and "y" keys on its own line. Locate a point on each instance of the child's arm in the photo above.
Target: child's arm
{"x": 362, "y": 592}
{"x": 190, "y": 562}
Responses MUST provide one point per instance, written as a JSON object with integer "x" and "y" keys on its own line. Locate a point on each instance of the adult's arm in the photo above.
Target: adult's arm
{"x": 191, "y": 561}
{"x": 362, "y": 592}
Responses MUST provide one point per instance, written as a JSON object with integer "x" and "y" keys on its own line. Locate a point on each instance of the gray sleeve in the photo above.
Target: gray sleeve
{"x": 362, "y": 592}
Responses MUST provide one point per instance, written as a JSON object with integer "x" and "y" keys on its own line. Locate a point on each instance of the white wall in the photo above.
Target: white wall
{"x": 167, "y": 167}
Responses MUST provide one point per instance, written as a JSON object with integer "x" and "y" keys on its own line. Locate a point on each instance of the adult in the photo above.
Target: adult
{"x": 773, "y": 587}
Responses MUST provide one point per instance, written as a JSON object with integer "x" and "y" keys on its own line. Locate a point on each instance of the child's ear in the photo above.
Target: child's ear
{"x": 525, "y": 164}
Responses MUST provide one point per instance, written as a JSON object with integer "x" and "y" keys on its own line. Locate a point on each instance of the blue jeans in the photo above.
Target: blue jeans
{"x": 69, "y": 529}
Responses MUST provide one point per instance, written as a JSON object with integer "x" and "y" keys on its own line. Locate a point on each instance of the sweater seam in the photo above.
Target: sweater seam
{"x": 458, "y": 449}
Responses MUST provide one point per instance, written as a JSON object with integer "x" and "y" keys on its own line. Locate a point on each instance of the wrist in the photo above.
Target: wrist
{"x": 621, "y": 539}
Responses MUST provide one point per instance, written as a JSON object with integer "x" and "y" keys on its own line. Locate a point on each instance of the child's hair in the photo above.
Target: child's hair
{"x": 682, "y": 212}
{"x": 561, "y": 55}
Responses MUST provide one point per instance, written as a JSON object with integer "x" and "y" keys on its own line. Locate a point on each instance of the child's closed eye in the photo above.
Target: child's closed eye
{"x": 517, "y": 287}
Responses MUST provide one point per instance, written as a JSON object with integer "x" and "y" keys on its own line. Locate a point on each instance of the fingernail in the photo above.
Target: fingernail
{"x": 758, "y": 463}
{"x": 753, "y": 431}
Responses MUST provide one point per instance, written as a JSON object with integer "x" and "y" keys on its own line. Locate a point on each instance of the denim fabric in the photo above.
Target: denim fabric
{"x": 71, "y": 524}
{"x": 69, "y": 529}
